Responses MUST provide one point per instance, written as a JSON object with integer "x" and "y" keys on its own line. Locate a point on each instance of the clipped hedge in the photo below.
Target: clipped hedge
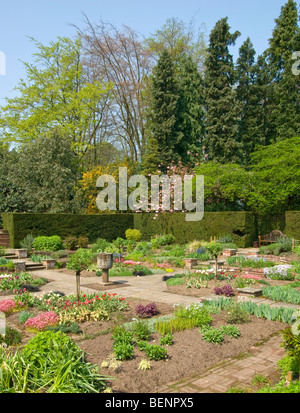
{"x": 240, "y": 225}
{"x": 108, "y": 226}
{"x": 244, "y": 227}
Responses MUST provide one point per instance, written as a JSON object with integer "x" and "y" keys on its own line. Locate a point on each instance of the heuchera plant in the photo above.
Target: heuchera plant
{"x": 146, "y": 311}
{"x": 225, "y": 290}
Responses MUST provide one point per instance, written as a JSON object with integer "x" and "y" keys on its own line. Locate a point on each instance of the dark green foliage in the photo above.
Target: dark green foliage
{"x": 284, "y": 41}
{"x": 249, "y": 126}
{"x": 164, "y": 133}
{"x": 64, "y": 225}
{"x": 192, "y": 110}
{"x": 222, "y": 107}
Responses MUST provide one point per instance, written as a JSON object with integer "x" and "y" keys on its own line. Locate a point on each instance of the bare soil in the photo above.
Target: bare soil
{"x": 188, "y": 355}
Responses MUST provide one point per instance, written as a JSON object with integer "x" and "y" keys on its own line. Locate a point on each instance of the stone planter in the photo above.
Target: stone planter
{"x": 229, "y": 252}
{"x": 20, "y": 266}
{"x": 105, "y": 263}
{"x": 21, "y": 253}
{"x": 191, "y": 262}
{"x": 49, "y": 264}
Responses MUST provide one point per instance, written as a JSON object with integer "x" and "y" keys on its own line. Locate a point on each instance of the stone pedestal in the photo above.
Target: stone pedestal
{"x": 105, "y": 263}
{"x": 21, "y": 253}
{"x": 20, "y": 266}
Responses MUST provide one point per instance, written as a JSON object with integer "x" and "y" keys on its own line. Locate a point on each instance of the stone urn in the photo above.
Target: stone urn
{"x": 105, "y": 263}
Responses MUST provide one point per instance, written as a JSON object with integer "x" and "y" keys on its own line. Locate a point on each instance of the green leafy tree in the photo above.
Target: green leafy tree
{"x": 179, "y": 39}
{"x": 214, "y": 249}
{"x": 226, "y": 186}
{"x": 78, "y": 262}
{"x": 56, "y": 94}
{"x": 45, "y": 174}
{"x": 222, "y": 108}
{"x": 275, "y": 177}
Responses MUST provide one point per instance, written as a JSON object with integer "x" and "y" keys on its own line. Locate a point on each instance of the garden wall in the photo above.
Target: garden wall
{"x": 244, "y": 227}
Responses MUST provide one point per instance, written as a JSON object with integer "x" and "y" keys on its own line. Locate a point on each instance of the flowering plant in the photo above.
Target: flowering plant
{"x": 279, "y": 272}
{"x": 10, "y": 306}
{"x": 42, "y": 321}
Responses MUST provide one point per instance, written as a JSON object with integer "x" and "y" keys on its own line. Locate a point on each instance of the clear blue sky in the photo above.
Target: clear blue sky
{"x": 45, "y": 20}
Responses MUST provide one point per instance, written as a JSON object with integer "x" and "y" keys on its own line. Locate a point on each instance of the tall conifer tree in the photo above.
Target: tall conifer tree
{"x": 222, "y": 108}
{"x": 286, "y": 103}
{"x": 164, "y": 133}
{"x": 192, "y": 109}
{"x": 249, "y": 130}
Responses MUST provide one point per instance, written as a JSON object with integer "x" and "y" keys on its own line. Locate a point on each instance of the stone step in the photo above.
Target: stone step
{"x": 33, "y": 266}
{"x": 4, "y": 238}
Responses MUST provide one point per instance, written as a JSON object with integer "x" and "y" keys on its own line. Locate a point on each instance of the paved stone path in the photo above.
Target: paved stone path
{"x": 232, "y": 373}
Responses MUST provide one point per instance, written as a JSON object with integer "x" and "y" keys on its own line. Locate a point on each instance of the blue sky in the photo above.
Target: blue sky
{"x": 45, "y": 20}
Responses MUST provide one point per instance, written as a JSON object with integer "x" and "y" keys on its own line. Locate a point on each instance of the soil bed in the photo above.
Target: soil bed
{"x": 188, "y": 355}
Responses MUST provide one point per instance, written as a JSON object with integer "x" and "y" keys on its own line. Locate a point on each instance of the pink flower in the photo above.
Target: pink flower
{"x": 42, "y": 321}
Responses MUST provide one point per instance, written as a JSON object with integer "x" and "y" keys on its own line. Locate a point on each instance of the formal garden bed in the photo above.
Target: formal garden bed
{"x": 143, "y": 346}
{"x": 104, "y": 342}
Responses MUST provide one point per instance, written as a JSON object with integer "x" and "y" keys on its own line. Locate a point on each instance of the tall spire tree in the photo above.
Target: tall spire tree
{"x": 192, "y": 109}
{"x": 222, "y": 108}
{"x": 284, "y": 41}
{"x": 163, "y": 127}
{"x": 249, "y": 130}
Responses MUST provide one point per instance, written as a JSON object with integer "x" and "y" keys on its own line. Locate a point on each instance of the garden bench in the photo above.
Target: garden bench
{"x": 270, "y": 238}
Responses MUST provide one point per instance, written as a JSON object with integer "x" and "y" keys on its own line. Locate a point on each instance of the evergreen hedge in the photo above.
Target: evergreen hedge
{"x": 244, "y": 227}
{"x": 108, "y": 226}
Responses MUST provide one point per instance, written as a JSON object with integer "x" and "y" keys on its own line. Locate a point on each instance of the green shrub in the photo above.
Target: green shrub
{"x": 53, "y": 243}
{"x": 23, "y": 316}
{"x": 175, "y": 281}
{"x": 66, "y": 328}
{"x": 133, "y": 234}
{"x": 162, "y": 240}
{"x": 83, "y": 242}
{"x": 100, "y": 245}
{"x": 57, "y": 365}
{"x": 71, "y": 243}
{"x": 121, "y": 334}
{"x": 237, "y": 314}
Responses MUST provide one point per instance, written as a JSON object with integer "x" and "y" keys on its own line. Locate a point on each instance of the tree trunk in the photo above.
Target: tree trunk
{"x": 78, "y": 284}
